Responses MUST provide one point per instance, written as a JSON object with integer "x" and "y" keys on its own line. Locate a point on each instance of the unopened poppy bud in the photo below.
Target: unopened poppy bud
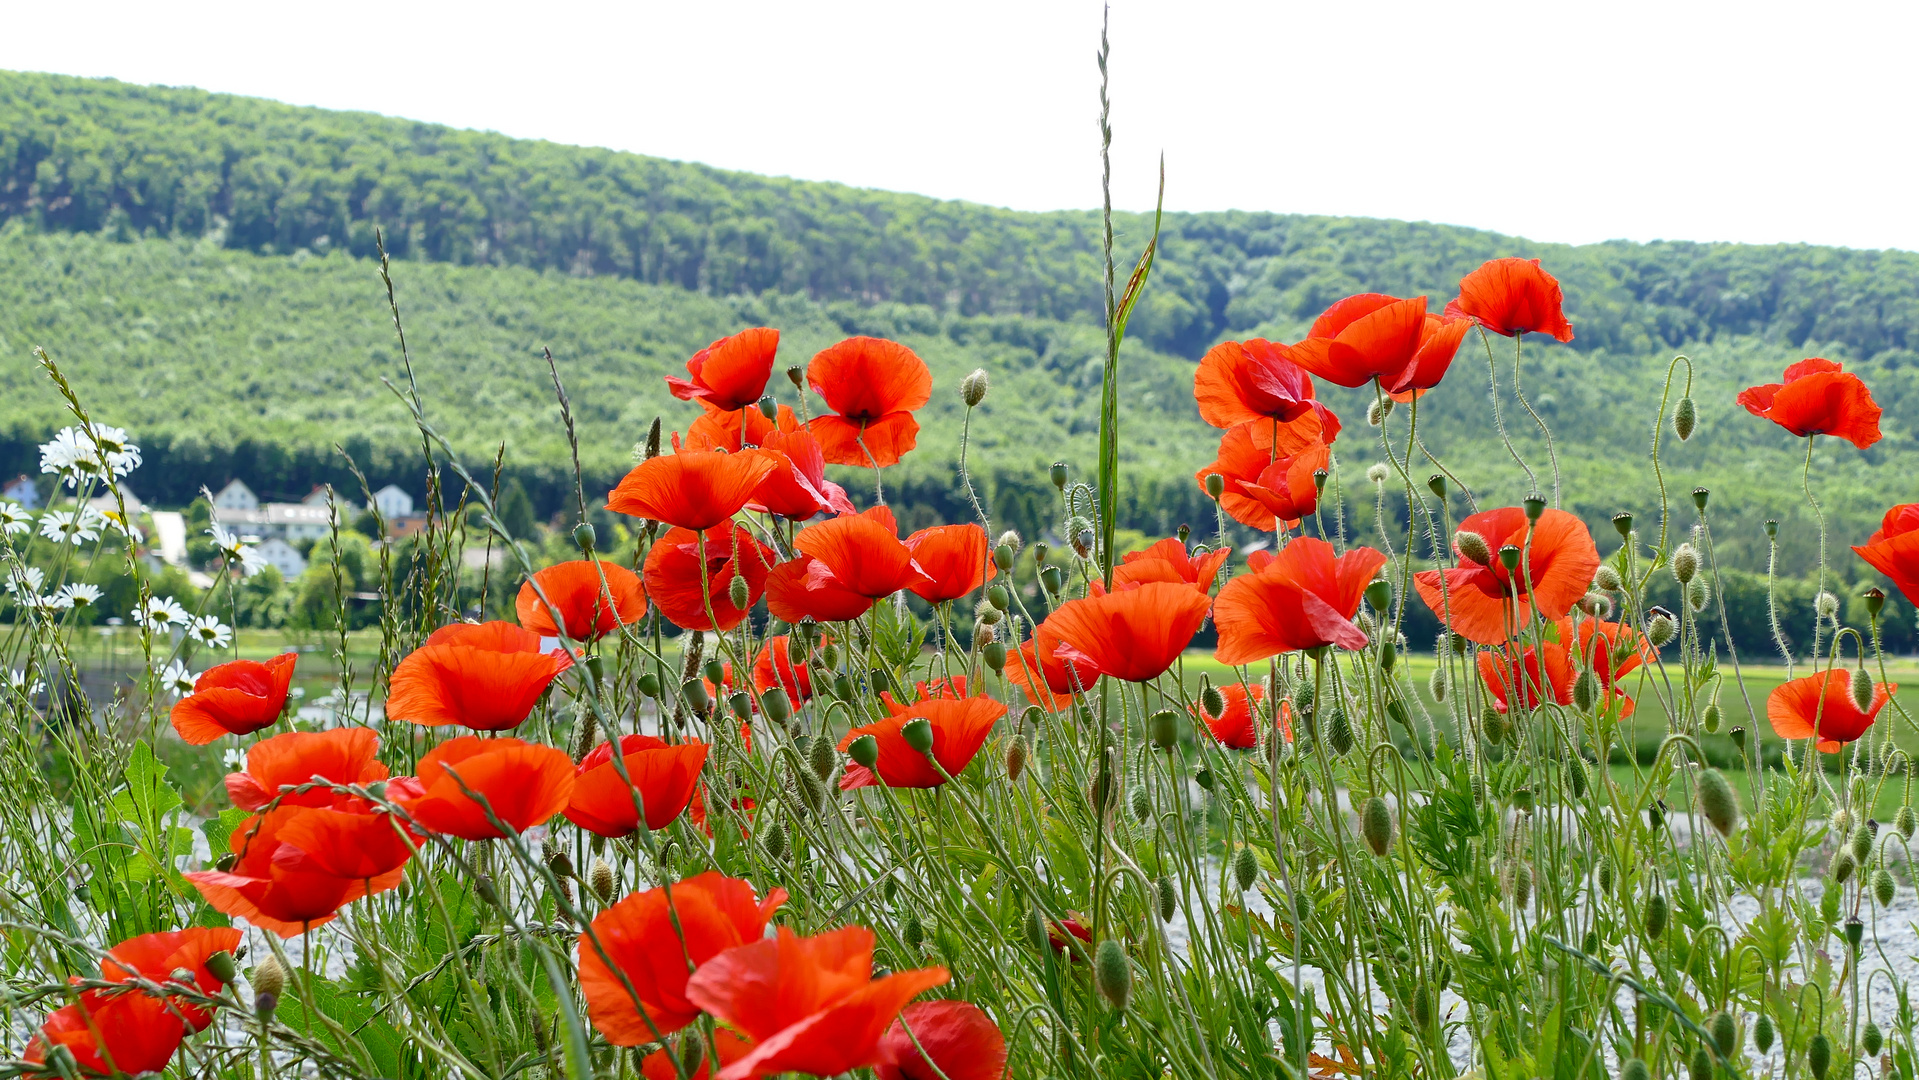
{"x": 1819, "y": 1054}
{"x": 1016, "y": 754}
{"x": 994, "y": 653}
{"x": 269, "y": 982}
{"x": 1717, "y": 801}
{"x": 1596, "y": 604}
{"x": 1660, "y": 630}
{"x": 1861, "y": 687}
{"x": 1700, "y": 1067}
{"x": 1607, "y": 579}
{"x": 1684, "y": 419}
{"x": 583, "y": 536}
{"x": 1058, "y": 473}
{"x": 221, "y": 966}
{"x": 773, "y": 840}
{"x": 1827, "y": 605}
{"x": 1724, "y": 1031}
{"x": 1523, "y": 885}
{"x": 1494, "y": 724}
{"x": 1622, "y": 524}
{"x": 1436, "y": 684}
{"x": 1377, "y": 472}
{"x": 1709, "y": 718}
{"x": 1113, "y": 973}
{"x": 1586, "y": 691}
{"x": 1141, "y": 804}
{"x": 1841, "y": 821}
{"x": 795, "y": 376}
{"x": 1861, "y": 841}
{"x": 821, "y": 756}
{"x": 1698, "y": 594}
{"x": 1762, "y": 1033}
{"x": 1376, "y": 824}
{"x": 1163, "y": 728}
{"x": 1883, "y": 886}
{"x": 1168, "y": 899}
{"x": 600, "y": 877}
{"x": 1657, "y": 912}
{"x": 1634, "y": 1069}
{"x": 1245, "y": 868}
{"x": 865, "y": 750}
{"x": 1211, "y": 701}
{"x": 1605, "y": 878}
{"x": 1841, "y": 867}
{"x": 973, "y": 387}
{"x": 1379, "y": 594}
{"x": 1872, "y": 1039}
{"x": 1685, "y": 563}
{"x": 739, "y": 593}
{"x": 1437, "y": 485}
{"x": 1906, "y": 821}
{"x": 830, "y": 655}
{"x": 1473, "y": 547}
{"x": 1339, "y": 732}
{"x": 1576, "y": 777}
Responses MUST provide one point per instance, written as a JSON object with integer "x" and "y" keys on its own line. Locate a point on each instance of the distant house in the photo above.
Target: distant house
{"x": 238, "y": 509}
{"x": 236, "y": 496}
{"x": 392, "y": 502}
{"x": 21, "y": 490}
{"x": 170, "y": 536}
{"x": 283, "y": 557}
{"x": 318, "y": 496}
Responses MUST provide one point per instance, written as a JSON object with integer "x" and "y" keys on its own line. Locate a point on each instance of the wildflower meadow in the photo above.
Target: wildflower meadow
{"x": 759, "y": 783}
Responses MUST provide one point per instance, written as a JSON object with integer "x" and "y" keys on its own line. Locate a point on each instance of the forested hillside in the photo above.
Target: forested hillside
{"x": 199, "y": 263}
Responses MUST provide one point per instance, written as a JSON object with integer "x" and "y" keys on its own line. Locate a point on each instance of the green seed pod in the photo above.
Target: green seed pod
{"x": 1576, "y": 778}
{"x": 1709, "y": 718}
{"x": 220, "y": 965}
{"x": 742, "y": 704}
{"x": 1906, "y": 821}
{"x": 1872, "y": 1039}
{"x": 1058, "y": 475}
{"x": 1003, "y": 556}
{"x": 1762, "y": 1033}
{"x": 1339, "y": 733}
{"x": 1738, "y": 737}
{"x": 650, "y": 684}
{"x": 994, "y": 653}
{"x": 1725, "y": 1033}
{"x": 1168, "y": 900}
{"x": 1388, "y": 656}
{"x": 696, "y": 698}
{"x": 1656, "y": 815}
{"x": 864, "y": 751}
{"x": 918, "y": 734}
{"x": 1634, "y": 1069}
{"x": 1245, "y": 868}
{"x": 1437, "y": 485}
{"x": 1717, "y": 801}
{"x": 1016, "y": 755}
{"x": 773, "y": 839}
{"x": 844, "y": 688}
{"x": 1163, "y": 729}
{"x": 1842, "y": 866}
{"x": 1862, "y": 843}
{"x": 1855, "y": 931}
{"x": 1113, "y": 973}
{"x": 600, "y": 877}
{"x": 715, "y": 672}
{"x": 912, "y": 931}
{"x": 1657, "y": 912}
{"x": 1586, "y": 691}
{"x": 1436, "y": 685}
{"x": 583, "y": 537}
{"x": 1522, "y": 798}
{"x": 269, "y": 982}
{"x": 1700, "y": 1067}
{"x": 1215, "y": 485}
{"x": 1376, "y": 824}
{"x": 1204, "y": 778}
{"x": 1142, "y": 804}
{"x": 1509, "y": 556}
{"x": 1379, "y": 594}
{"x": 1883, "y": 886}
{"x": 996, "y": 595}
{"x": 777, "y": 706}
{"x": 1053, "y": 578}
{"x": 822, "y": 756}
{"x": 1684, "y": 419}
{"x": 1819, "y": 1054}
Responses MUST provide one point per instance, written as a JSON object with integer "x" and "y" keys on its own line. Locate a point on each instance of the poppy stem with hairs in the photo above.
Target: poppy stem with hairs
{"x": 879, "y": 488}
{"x": 1819, "y": 516}
{"x": 1552, "y": 454}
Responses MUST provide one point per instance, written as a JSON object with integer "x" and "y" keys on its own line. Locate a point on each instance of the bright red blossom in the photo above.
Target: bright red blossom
{"x": 953, "y": 558}
{"x": 1821, "y": 706}
{"x": 1511, "y": 297}
{"x": 277, "y": 892}
{"x": 797, "y": 488}
{"x": 1532, "y": 676}
{"x": 1133, "y": 634}
{"x": 593, "y": 597}
{"x": 1488, "y": 603}
{"x": 685, "y": 585}
{"x": 1168, "y": 560}
{"x": 731, "y": 373}
{"x": 523, "y": 783}
{"x": 714, "y": 913}
{"x": 809, "y": 1004}
{"x": 962, "y": 1042}
{"x": 693, "y": 489}
{"x": 873, "y": 386}
{"x": 341, "y": 755}
{"x": 1894, "y": 549}
{"x": 1373, "y": 336}
{"x": 1264, "y": 491}
{"x": 136, "y": 1032}
{"x": 486, "y": 676}
{"x": 1237, "y": 725}
{"x": 238, "y": 697}
{"x": 1304, "y": 597}
{"x": 1818, "y": 398}
{"x": 773, "y": 666}
{"x": 1239, "y": 382}
{"x": 960, "y": 727}
{"x": 664, "y": 774}
{"x": 736, "y": 431}
{"x": 845, "y": 563}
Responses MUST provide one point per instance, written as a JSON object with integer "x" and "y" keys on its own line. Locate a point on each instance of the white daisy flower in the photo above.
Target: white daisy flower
{"x": 235, "y": 759}
{"x": 161, "y": 612}
{"x": 17, "y": 682}
{"x": 75, "y": 455}
{"x": 83, "y": 527}
{"x": 175, "y": 679}
{"x": 131, "y": 532}
{"x": 59, "y": 601}
{"x": 211, "y": 632}
{"x": 237, "y": 552}
{"x": 25, "y": 580}
{"x": 14, "y": 519}
{"x": 80, "y": 593}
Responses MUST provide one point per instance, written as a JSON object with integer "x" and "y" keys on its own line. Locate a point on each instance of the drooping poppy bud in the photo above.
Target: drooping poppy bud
{"x": 1376, "y": 823}
{"x": 1716, "y": 799}
{"x": 1113, "y": 973}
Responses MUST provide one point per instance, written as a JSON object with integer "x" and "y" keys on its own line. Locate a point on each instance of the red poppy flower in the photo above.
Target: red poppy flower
{"x": 1610, "y": 650}
{"x": 1482, "y": 602}
{"x": 594, "y": 598}
{"x": 1374, "y": 336}
{"x": 693, "y": 489}
{"x": 1168, "y": 560}
{"x": 659, "y": 1065}
{"x": 119, "y": 1035}
{"x": 1538, "y": 680}
{"x": 238, "y": 697}
{"x": 773, "y": 666}
{"x": 731, "y": 373}
{"x": 1894, "y": 549}
{"x": 1304, "y": 597}
{"x": 1818, "y": 398}
{"x": 953, "y": 558}
{"x": 1263, "y": 490}
{"x": 651, "y": 939}
{"x": 810, "y": 1005}
{"x": 736, "y": 431}
{"x": 684, "y": 585}
{"x": 1821, "y": 706}
{"x": 797, "y": 488}
{"x": 742, "y": 806}
{"x": 1513, "y": 296}
{"x": 959, "y": 1042}
{"x": 155, "y": 957}
{"x": 1060, "y": 931}
{"x": 341, "y": 755}
{"x": 350, "y": 840}
{"x": 487, "y": 676}
{"x": 953, "y": 689}
{"x": 845, "y": 564}
{"x": 1049, "y": 675}
{"x": 524, "y": 783}
{"x": 1235, "y": 727}
{"x": 1240, "y": 382}
{"x": 1134, "y": 634}
{"x": 873, "y": 385}
{"x": 271, "y": 894}
{"x": 960, "y": 727}
{"x": 664, "y": 775}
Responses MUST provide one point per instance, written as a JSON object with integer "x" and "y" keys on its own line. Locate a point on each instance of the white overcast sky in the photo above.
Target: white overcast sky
{"x": 1552, "y": 120}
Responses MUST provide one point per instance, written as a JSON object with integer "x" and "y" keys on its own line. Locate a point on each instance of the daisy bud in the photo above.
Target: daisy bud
{"x": 1376, "y": 825}
{"x": 1700, "y": 496}
{"x": 994, "y": 653}
{"x": 1700, "y": 1067}
{"x": 1634, "y": 1069}
{"x": 1607, "y": 579}
{"x": 1827, "y": 605}
{"x": 1112, "y": 973}
{"x": 1660, "y": 630}
{"x": 1762, "y": 1033}
{"x": 1377, "y": 472}
{"x": 1016, "y": 754}
{"x": 1657, "y": 912}
{"x": 1378, "y": 411}
{"x": 1725, "y": 1033}
{"x": 1163, "y": 729}
{"x": 1437, "y": 485}
{"x": 1872, "y": 1039}
{"x": 1436, "y": 684}
{"x": 1883, "y": 886}
{"x": 1168, "y": 899}
{"x": 1245, "y": 868}
{"x": 269, "y": 981}
{"x": 1819, "y": 1055}
{"x": 1473, "y": 547}
{"x": 221, "y": 966}
{"x": 1906, "y": 821}
{"x": 1841, "y": 867}
{"x": 973, "y": 388}
{"x": 1684, "y": 419}
{"x": 1698, "y": 594}
{"x": 600, "y": 877}
{"x": 1215, "y": 486}
{"x": 769, "y": 408}
{"x": 918, "y": 734}
{"x": 653, "y": 440}
{"x": 1685, "y": 563}
{"x": 1509, "y": 556}
{"x": 773, "y": 839}
{"x": 1861, "y": 687}
{"x": 1716, "y": 799}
